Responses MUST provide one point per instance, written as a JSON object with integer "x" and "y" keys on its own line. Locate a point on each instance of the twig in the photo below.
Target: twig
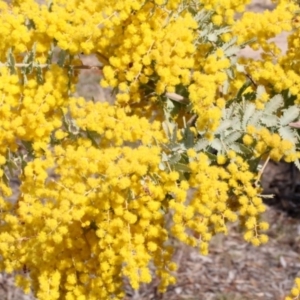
{"x": 192, "y": 120}
{"x": 262, "y": 170}
{"x": 250, "y": 78}
{"x": 35, "y": 65}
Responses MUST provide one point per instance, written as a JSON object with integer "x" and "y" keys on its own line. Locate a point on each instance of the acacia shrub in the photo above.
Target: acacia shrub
{"x": 99, "y": 181}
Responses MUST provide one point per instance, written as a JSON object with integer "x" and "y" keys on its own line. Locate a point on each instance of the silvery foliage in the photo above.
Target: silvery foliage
{"x": 237, "y": 116}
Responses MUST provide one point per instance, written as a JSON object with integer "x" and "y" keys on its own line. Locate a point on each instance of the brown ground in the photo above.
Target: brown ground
{"x": 233, "y": 270}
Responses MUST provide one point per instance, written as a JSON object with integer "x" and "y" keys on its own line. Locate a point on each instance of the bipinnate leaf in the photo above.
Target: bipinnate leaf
{"x": 216, "y": 144}
{"x": 201, "y": 144}
{"x": 269, "y": 120}
{"x": 240, "y": 148}
{"x": 249, "y": 111}
{"x": 289, "y": 115}
{"x": 274, "y": 104}
{"x": 232, "y": 137}
{"x": 223, "y": 126}
{"x": 287, "y": 133}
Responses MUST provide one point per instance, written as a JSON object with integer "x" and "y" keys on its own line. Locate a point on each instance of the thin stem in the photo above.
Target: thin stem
{"x": 251, "y": 79}
{"x": 192, "y": 120}
{"x": 262, "y": 170}
{"x": 82, "y": 67}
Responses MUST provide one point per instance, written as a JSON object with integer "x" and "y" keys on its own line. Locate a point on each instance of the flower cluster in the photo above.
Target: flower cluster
{"x": 30, "y": 113}
{"x": 164, "y": 52}
{"x": 161, "y": 45}
{"x": 112, "y": 124}
{"x": 105, "y": 188}
{"x": 13, "y": 32}
{"x": 277, "y": 71}
{"x": 101, "y": 217}
{"x": 253, "y": 25}
{"x": 225, "y": 10}
{"x": 224, "y": 193}
{"x": 270, "y": 144}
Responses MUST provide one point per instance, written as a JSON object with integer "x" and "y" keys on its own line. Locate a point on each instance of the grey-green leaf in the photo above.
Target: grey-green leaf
{"x": 212, "y": 37}
{"x": 175, "y": 158}
{"x": 216, "y": 144}
{"x": 11, "y": 61}
{"x": 274, "y": 104}
{"x": 249, "y": 112}
{"x": 164, "y": 157}
{"x": 200, "y": 145}
{"x": 162, "y": 166}
{"x": 269, "y": 120}
{"x": 232, "y": 137}
{"x": 289, "y": 115}
{"x": 62, "y": 58}
{"x": 240, "y": 148}
{"x": 223, "y": 126}
{"x": 287, "y": 133}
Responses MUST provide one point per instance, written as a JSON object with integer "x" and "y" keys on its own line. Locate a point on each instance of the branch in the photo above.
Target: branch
{"x": 35, "y": 65}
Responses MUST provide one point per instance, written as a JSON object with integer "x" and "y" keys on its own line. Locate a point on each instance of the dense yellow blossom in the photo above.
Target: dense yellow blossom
{"x": 270, "y": 144}
{"x": 106, "y": 187}
{"x": 30, "y": 112}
